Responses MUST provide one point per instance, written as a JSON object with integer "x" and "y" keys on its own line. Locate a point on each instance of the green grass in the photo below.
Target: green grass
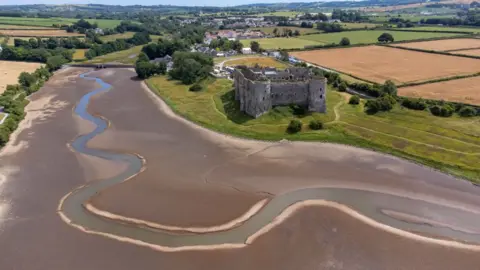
{"x": 2, "y": 115}
{"x": 117, "y": 36}
{"x": 279, "y": 13}
{"x": 218, "y": 60}
{"x": 281, "y": 43}
{"x": 20, "y": 27}
{"x": 441, "y": 28}
{"x": 303, "y": 31}
{"x": 411, "y": 17}
{"x": 449, "y": 144}
{"x": 51, "y": 21}
{"x": 358, "y": 25}
{"x": 125, "y": 57}
{"x": 366, "y": 37}
{"x": 261, "y": 61}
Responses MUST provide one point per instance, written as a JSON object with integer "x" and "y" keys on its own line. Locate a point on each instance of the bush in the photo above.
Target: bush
{"x": 354, "y": 100}
{"x": 196, "y": 87}
{"x": 345, "y": 41}
{"x": 414, "y": 104}
{"x": 342, "y": 87}
{"x": 467, "y": 111}
{"x": 294, "y": 126}
{"x": 444, "y": 111}
{"x": 316, "y": 124}
{"x": 384, "y": 103}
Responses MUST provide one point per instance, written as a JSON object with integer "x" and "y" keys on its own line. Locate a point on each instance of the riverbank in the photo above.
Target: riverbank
{"x": 450, "y": 145}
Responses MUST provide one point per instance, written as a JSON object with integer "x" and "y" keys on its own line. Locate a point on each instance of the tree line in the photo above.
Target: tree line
{"x": 117, "y": 45}
{"x": 53, "y": 58}
{"x": 13, "y": 99}
{"x": 52, "y": 43}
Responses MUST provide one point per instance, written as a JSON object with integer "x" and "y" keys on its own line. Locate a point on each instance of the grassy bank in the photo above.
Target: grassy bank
{"x": 125, "y": 57}
{"x": 371, "y": 36}
{"x": 448, "y": 144}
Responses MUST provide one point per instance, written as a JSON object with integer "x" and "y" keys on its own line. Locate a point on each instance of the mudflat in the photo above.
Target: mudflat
{"x": 34, "y": 236}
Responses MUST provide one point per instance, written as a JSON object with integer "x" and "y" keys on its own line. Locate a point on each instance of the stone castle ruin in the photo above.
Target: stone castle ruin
{"x": 259, "y": 89}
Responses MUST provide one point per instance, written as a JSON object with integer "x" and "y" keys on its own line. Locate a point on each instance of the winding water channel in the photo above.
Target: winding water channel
{"x": 448, "y": 222}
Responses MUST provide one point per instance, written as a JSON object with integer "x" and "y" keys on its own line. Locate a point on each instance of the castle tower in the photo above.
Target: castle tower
{"x": 317, "y": 94}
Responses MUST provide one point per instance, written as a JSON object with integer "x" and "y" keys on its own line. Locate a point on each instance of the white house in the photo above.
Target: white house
{"x": 246, "y": 50}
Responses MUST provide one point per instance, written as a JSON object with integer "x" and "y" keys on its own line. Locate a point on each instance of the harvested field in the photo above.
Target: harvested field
{"x": 251, "y": 61}
{"x": 462, "y": 90}
{"x": 475, "y": 52}
{"x": 378, "y": 63}
{"x": 38, "y": 33}
{"x": 9, "y": 72}
{"x": 443, "y": 45}
{"x": 8, "y": 26}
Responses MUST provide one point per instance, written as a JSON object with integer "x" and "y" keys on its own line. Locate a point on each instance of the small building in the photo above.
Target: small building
{"x": 98, "y": 31}
{"x": 275, "y": 54}
{"x": 247, "y": 50}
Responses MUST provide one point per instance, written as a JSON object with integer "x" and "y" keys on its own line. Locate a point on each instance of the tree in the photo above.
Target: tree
{"x": 315, "y": 124}
{"x": 296, "y": 33}
{"x": 385, "y": 38}
{"x": 26, "y": 79}
{"x": 142, "y": 57}
{"x": 467, "y": 111}
{"x": 255, "y": 46}
{"x": 389, "y": 88}
{"x": 294, "y": 126}
{"x": 444, "y": 111}
{"x": 354, "y": 100}
{"x": 345, "y": 41}
{"x": 145, "y": 69}
{"x": 342, "y": 87}
{"x": 55, "y": 62}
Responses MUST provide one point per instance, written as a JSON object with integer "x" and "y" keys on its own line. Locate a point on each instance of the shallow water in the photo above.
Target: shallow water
{"x": 368, "y": 203}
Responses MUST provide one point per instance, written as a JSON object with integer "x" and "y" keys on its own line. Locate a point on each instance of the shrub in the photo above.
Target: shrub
{"x": 342, "y": 87}
{"x": 384, "y": 103}
{"x": 294, "y": 126}
{"x": 345, "y": 41}
{"x": 354, "y": 100}
{"x": 315, "y": 124}
{"x": 414, "y": 103}
{"x": 196, "y": 87}
{"x": 444, "y": 111}
{"x": 467, "y": 111}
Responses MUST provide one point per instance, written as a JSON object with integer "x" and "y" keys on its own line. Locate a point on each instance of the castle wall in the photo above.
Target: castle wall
{"x": 258, "y": 97}
{"x": 286, "y": 93}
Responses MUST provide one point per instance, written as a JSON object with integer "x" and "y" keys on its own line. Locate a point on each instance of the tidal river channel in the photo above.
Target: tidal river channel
{"x": 424, "y": 217}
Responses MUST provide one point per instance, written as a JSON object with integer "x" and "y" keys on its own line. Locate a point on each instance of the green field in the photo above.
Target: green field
{"x": 441, "y": 28}
{"x": 411, "y": 17}
{"x": 23, "y": 27}
{"x": 269, "y": 30}
{"x": 125, "y": 57}
{"x": 280, "y": 43}
{"x": 359, "y": 25}
{"x": 449, "y": 144}
{"x": 125, "y": 35}
{"x": 51, "y": 21}
{"x": 370, "y": 36}
{"x": 280, "y": 13}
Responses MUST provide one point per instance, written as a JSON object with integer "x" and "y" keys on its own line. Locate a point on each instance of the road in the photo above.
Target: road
{"x": 40, "y": 169}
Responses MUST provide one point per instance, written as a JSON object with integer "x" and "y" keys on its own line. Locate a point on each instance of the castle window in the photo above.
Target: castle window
{"x": 321, "y": 96}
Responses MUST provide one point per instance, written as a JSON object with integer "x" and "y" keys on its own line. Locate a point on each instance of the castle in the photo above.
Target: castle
{"x": 259, "y": 89}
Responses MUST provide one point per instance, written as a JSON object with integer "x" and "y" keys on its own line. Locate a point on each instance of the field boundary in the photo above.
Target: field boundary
{"x": 445, "y": 79}
{"x": 432, "y": 51}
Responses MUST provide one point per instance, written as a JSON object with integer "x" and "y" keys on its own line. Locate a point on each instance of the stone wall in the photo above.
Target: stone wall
{"x": 258, "y": 97}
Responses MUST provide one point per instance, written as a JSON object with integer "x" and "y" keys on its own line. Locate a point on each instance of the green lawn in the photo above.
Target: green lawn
{"x": 51, "y": 21}
{"x": 281, "y": 43}
{"x": 125, "y": 57}
{"x": 366, "y": 37}
{"x": 303, "y": 31}
{"x": 125, "y": 35}
{"x": 449, "y": 144}
{"x": 441, "y": 28}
